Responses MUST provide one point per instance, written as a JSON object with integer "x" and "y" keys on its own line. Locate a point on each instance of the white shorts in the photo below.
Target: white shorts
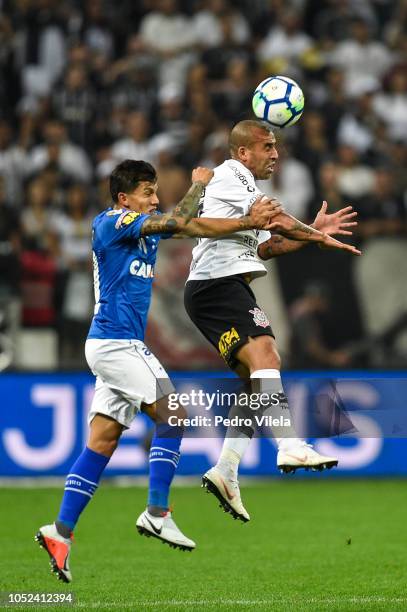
{"x": 127, "y": 375}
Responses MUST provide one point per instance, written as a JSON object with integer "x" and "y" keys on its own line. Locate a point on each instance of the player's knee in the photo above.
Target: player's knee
{"x": 260, "y": 354}
{"x": 111, "y": 446}
{"x": 105, "y": 443}
{"x": 104, "y": 435}
{"x": 181, "y": 414}
{"x": 150, "y": 410}
{"x": 267, "y": 356}
{"x": 273, "y": 358}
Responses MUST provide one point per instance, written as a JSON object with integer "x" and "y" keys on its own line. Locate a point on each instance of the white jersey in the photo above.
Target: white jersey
{"x": 229, "y": 195}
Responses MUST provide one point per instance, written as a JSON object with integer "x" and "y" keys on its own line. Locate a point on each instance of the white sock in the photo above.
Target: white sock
{"x": 285, "y": 444}
{"x": 233, "y": 450}
{"x": 274, "y": 375}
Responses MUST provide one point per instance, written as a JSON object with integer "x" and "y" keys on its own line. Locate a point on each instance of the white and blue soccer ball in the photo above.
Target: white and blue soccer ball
{"x": 278, "y": 100}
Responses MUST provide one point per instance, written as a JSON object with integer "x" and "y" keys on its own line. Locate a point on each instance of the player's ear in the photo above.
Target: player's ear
{"x": 241, "y": 152}
{"x": 122, "y": 199}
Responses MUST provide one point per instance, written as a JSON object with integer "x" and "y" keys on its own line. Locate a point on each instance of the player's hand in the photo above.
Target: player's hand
{"x": 202, "y": 175}
{"x": 263, "y": 211}
{"x": 327, "y": 242}
{"x": 336, "y": 223}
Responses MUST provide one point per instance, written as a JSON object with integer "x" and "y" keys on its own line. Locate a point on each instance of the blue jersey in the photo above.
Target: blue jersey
{"x": 123, "y": 263}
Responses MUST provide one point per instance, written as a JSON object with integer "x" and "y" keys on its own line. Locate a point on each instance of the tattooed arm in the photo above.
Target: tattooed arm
{"x": 177, "y": 220}
{"x": 265, "y": 213}
{"x": 278, "y": 245}
{"x": 335, "y": 223}
{"x": 292, "y": 228}
{"x": 212, "y": 228}
{"x": 262, "y": 214}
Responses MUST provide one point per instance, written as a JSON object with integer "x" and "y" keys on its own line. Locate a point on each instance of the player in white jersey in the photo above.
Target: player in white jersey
{"x": 220, "y": 302}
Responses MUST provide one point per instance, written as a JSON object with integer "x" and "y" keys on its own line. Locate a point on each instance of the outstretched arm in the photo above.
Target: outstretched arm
{"x": 213, "y": 228}
{"x": 278, "y": 245}
{"x": 184, "y": 211}
{"x": 336, "y": 223}
{"x": 262, "y": 215}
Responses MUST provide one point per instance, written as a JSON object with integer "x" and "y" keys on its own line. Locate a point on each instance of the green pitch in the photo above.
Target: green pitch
{"x": 314, "y": 545}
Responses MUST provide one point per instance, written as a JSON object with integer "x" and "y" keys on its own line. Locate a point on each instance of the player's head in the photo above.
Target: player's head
{"x": 133, "y": 185}
{"x": 253, "y": 143}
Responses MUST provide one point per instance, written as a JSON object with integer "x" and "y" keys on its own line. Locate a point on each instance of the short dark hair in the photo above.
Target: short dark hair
{"x": 128, "y": 174}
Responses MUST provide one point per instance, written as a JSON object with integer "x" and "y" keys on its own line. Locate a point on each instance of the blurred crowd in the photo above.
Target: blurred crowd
{"x": 84, "y": 85}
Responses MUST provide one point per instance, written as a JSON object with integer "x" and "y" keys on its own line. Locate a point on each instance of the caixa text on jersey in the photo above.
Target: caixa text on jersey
{"x": 140, "y": 268}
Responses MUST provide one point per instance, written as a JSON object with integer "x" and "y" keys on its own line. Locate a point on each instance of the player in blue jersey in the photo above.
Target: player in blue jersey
{"x": 129, "y": 378}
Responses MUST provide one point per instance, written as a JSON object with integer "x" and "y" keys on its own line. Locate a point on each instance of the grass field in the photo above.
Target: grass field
{"x": 331, "y": 545}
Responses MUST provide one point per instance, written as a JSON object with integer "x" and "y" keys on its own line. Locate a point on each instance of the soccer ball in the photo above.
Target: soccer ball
{"x": 278, "y": 100}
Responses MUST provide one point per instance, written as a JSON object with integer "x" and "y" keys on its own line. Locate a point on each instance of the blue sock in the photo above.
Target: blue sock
{"x": 164, "y": 457}
{"x": 81, "y": 483}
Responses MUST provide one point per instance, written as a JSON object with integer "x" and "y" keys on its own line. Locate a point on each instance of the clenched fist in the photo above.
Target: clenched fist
{"x": 202, "y": 175}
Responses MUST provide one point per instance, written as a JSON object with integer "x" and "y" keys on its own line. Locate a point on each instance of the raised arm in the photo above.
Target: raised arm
{"x": 176, "y": 220}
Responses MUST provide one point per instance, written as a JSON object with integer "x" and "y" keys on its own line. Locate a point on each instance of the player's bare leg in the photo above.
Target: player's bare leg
{"x": 259, "y": 361}
{"x": 104, "y": 435}
{"x": 81, "y": 483}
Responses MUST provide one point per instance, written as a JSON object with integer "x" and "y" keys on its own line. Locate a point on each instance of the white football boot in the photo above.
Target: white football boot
{"x": 227, "y": 491}
{"x": 163, "y": 528}
{"x": 302, "y": 455}
{"x": 58, "y": 549}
